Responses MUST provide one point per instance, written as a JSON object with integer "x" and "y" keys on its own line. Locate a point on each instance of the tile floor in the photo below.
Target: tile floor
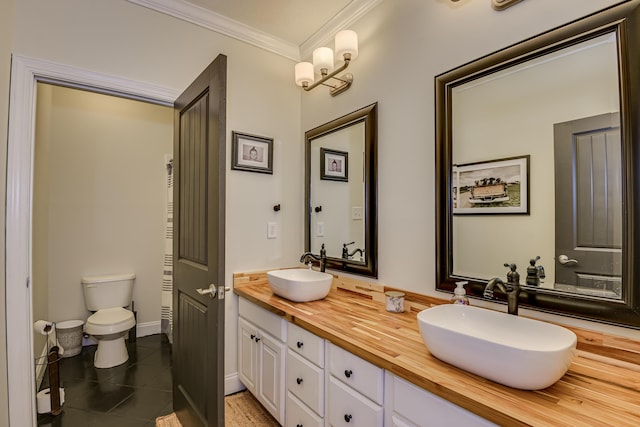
{"x": 132, "y": 394}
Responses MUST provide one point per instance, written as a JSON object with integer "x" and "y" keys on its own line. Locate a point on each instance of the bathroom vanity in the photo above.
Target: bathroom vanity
{"x": 404, "y": 385}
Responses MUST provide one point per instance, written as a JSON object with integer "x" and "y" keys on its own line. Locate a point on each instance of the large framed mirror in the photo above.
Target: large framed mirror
{"x": 340, "y": 191}
{"x": 537, "y": 155}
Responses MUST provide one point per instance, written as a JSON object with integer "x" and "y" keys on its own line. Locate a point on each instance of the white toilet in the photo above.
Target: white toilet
{"x": 107, "y": 296}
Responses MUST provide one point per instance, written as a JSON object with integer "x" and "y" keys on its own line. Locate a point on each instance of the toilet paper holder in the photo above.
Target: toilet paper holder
{"x": 56, "y": 394}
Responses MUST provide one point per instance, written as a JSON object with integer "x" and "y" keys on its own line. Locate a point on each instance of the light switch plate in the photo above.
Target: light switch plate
{"x": 272, "y": 230}
{"x": 320, "y": 229}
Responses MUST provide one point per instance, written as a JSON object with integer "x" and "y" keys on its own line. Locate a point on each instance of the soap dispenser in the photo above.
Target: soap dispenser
{"x": 459, "y": 294}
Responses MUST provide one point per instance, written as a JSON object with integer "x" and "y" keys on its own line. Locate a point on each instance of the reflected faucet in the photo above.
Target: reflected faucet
{"x": 511, "y": 289}
{"x": 345, "y": 251}
{"x": 322, "y": 258}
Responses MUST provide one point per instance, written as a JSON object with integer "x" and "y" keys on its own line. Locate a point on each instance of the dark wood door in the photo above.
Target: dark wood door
{"x": 588, "y": 174}
{"x": 198, "y": 248}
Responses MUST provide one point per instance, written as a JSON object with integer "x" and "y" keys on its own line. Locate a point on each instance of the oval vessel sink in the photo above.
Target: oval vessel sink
{"x": 510, "y": 350}
{"x": 300, "y": 285}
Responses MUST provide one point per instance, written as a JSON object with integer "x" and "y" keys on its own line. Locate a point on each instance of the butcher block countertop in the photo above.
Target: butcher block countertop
{"x": 601, "y": 388}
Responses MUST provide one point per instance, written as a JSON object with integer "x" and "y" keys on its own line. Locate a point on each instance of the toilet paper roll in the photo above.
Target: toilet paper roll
{"x": 43, "y": 400}
{"x": 40, "y": 327}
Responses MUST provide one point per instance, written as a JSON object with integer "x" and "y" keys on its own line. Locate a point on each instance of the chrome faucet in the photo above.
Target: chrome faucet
{"x": 511, "y": 289}
{"x": 322, "y": 258}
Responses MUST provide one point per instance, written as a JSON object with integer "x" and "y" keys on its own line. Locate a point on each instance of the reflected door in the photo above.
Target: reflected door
{"x": 589, "y": 206}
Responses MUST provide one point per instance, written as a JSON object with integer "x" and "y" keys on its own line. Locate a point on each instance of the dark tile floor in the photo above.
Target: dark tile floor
{"x": 132, "y": 394}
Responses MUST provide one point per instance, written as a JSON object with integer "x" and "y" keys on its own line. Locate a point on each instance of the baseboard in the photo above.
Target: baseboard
{"x": 148, "y": 328}
{"x": 232, "y": 384}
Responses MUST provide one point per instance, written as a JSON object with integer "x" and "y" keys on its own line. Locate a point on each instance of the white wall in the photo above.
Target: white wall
{"x": 7, "y": 8}
{"x": 100, "y": 166}
{"x": 403, "y": 46}
{"x": 132, "y": 42}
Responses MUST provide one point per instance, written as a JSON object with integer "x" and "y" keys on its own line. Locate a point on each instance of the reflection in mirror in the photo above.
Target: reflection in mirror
{"x": 536, "y": 157}
{"x": 341, "y": 185}
{"x": 513, "y": 112}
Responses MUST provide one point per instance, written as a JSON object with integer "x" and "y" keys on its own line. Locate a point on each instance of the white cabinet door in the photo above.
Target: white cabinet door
{"x": 247, "y": 354}
{"x": 271, "y": 375}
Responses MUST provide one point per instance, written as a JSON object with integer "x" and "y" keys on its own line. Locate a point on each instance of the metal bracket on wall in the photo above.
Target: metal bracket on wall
{"x": 503, "y": 4}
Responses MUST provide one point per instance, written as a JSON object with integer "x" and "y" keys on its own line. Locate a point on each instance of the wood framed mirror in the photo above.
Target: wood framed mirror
{"x": 340, "y": 191}
{"x": 577, "y": 85}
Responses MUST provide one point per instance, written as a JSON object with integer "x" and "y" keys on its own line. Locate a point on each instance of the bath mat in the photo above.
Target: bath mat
{"x": 241, "y": 410}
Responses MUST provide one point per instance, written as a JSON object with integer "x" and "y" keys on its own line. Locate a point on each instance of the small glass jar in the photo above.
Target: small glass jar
{"x": 395, "y": 301}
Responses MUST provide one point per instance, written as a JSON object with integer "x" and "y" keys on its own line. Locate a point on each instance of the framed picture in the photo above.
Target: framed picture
{"x": 493, "y": 187}
{"x": 334, "y": 165}
{"x": 251, "y": 153}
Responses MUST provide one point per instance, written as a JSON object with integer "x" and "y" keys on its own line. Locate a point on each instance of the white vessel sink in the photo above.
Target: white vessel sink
{"x": 300, "y": 285}
{"x": 511, "y": 350}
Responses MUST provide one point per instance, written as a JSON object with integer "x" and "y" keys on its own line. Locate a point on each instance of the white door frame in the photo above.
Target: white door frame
{"x": 25, "y": 74}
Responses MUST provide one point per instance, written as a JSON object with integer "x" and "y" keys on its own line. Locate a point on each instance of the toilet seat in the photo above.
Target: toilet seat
{"x": 110, "y": 321}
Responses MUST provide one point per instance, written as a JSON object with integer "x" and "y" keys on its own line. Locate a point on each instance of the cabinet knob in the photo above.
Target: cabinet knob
{"x": 299, "y": 425}
{"x": 299, "y": 344}
{"x": 299, "y": 381}
{"x": 347, "y": 417}
{"x": 256, "y": 339}
{"x": 253, "y": 336}
{"x": 348, "y": 373}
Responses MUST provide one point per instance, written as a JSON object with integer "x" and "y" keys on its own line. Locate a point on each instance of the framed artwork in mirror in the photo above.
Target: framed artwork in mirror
{"x": 498, "y": 186}
{"x": 334, "y": 165}
{"x": 251, "y": 153}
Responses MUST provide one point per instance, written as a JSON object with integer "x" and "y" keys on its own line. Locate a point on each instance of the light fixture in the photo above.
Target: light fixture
{"x": 346, "y": 44}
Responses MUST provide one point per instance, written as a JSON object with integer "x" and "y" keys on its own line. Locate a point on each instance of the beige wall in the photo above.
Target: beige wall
{"x": 403, "y": 45}
{"x": 6, "y": 37}
{"x": 129, "y": 41}
{"x": 99, "y": 197}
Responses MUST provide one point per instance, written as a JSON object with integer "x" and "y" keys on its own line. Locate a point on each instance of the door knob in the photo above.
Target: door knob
{"x": 211, "y": 291}
{"x": 565, "y": 260}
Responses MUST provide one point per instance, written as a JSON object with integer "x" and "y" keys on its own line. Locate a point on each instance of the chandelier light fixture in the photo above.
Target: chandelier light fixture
{"x": 346, "y": 44}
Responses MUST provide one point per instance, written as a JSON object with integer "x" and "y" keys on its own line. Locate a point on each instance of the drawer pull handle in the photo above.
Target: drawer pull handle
{"x": 347, "y": 417}
{"x": 299, "y": 381}
{"x": 348, "y": 373}
{"x": 299, "y": 344}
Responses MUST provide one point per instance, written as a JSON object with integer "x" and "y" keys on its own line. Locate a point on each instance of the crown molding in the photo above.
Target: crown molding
{"x": 221, "y": 24}
{"x": 343, "y": 20}
{"x": 213, "y": 21}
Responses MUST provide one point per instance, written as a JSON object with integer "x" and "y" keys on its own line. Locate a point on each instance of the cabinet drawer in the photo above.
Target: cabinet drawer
{"x": 413, "y": 405}
{"x": 306, "y": 381}
{"x": 267, "y": 321}
{"x": 359, "y": 374}
{"x": 298, "y": 415}
{"x": 348, "y": 408}
{"x": 306, "y": 344}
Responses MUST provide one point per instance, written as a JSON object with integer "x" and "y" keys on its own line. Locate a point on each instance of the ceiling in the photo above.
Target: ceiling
{"x": 291, "y": 28}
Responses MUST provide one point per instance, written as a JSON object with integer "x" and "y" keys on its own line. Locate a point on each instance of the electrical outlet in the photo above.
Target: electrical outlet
{"x": 272, "y": 230}
{"x": 320, "y": 229}
{"x": 357, "y": 212}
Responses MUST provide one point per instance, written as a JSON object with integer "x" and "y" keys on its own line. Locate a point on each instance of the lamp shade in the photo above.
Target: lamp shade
{"x": 346, "y": 42}
{"x": 322, "y": 58}
{"x": 304, "y": 73}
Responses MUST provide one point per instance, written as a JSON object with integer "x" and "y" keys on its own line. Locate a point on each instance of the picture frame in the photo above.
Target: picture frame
{"x": 491, "y": 187}
{"x": 334, "y": 165}
{"x": 251, "y": 153}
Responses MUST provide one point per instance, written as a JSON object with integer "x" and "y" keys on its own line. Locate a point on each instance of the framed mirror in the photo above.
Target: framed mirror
{"x": 340, "y": 191}
{"x": 537, "y": 156}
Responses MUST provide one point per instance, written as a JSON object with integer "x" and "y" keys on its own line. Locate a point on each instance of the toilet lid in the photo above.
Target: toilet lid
{"x": 110, "y": 316}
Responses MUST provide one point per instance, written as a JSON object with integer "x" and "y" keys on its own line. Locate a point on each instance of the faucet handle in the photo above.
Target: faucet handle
{"x": 513, "y": 277}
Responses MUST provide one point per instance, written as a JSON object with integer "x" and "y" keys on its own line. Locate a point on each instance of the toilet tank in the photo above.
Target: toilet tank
{"x": 107, "y": 291}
